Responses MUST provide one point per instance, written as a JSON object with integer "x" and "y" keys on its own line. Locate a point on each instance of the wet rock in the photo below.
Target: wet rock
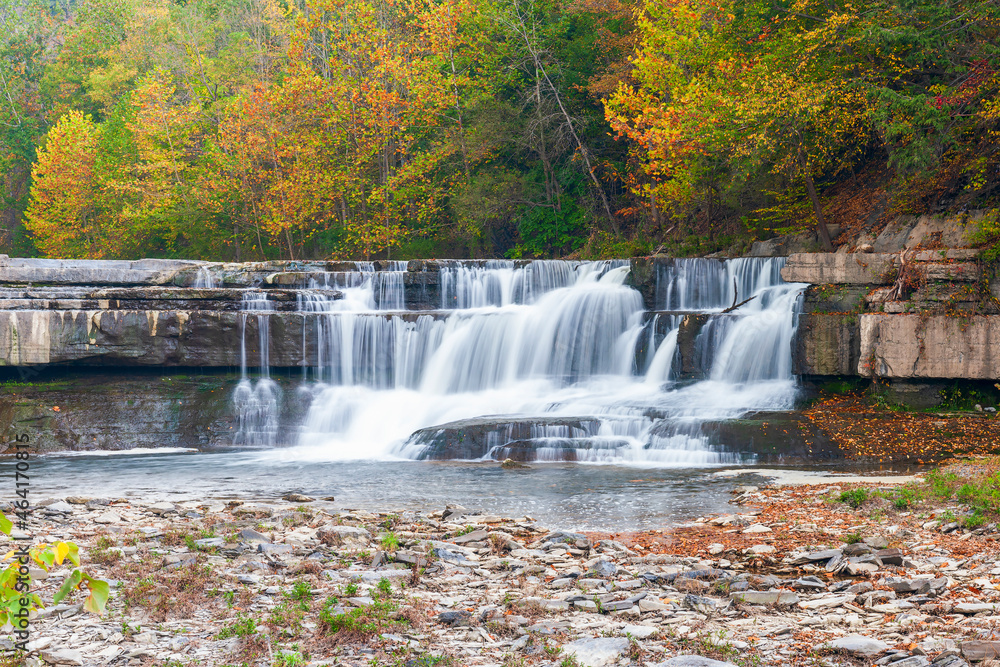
{"x": 297, "y": 498}
{"x": 858, "y": 645}
{"x": 597, "y": 652}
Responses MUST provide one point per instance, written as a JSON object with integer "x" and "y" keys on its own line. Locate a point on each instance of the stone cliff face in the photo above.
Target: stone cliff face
{"x": 917, "y": 314}
{"x": 109, "y": 338}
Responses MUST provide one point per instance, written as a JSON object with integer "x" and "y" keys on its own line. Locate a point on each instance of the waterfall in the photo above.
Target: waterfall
{"x": 518, "y": 344}
{"x": 257, "y": 402}
{"x": 204, "y": 279}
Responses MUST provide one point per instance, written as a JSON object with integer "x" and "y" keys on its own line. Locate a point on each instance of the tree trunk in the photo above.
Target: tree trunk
{"x": 821, "y": 228}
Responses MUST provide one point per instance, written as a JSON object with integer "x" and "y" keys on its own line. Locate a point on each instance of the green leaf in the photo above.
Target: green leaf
{"x": 6, "y": 525}
{"x": 74, "y": 553}
{"x": 72, "y": 581}
{"x": 99, "y": 592}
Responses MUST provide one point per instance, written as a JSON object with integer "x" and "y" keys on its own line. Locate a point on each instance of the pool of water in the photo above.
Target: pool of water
{"x": 564, "y": 495}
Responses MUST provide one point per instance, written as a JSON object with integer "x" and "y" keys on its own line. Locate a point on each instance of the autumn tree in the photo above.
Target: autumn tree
{"x": 61, "y": 212}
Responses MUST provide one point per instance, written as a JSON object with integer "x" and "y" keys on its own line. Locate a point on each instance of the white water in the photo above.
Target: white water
{"x": 541, "y": 340}
{"x": 204, "y": 279}
{"x": 257, "y": 402}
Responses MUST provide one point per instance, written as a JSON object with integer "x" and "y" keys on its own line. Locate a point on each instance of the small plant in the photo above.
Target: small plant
{"x": 384, "y": 588}
{"x": 390, "y": 542}
{"x": 351, "y": 590}
{"x": 288, "y": 659}
{"x": 854, "y": 498}
{"x": 243, "y": 627}
{"x": 301, "y": 591}
{"x": 570, "y": 661}
{"x": 851, "y": 538}
{"x": 905, "y": 498}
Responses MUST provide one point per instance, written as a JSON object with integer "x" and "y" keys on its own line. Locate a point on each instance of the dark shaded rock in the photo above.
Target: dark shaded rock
{"x": 809, "y": 583}
{"x": 454, "y": 618}
{"x": 857, "y": 549}
{"x": 890, "y": 556}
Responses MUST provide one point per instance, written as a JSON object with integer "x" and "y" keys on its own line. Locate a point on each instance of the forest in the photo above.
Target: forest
{"x": 238, "y": 130}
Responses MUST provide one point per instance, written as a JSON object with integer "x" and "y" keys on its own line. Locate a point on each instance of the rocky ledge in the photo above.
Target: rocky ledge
{"x": 302, "y": 581}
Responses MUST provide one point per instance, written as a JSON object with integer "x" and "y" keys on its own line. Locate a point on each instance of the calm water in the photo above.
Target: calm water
{"x": 571, "y": 496}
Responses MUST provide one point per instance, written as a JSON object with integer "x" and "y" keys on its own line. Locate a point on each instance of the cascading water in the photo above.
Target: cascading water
{"x": 526, "y": 342}
{"x": 257, "y": 402}
{"x": 204, "y": 279}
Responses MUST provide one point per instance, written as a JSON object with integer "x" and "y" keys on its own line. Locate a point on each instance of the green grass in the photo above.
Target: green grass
{"x": 854, "y": 498}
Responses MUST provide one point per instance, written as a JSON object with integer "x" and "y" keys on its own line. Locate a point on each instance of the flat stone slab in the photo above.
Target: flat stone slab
{"x": 858, "y": 645}
{"x": 821, "y": 268}
{"x": 597, "y": 652}
{"x": 693, "y": 661}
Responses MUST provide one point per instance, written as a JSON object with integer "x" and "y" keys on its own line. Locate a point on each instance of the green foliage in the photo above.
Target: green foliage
{"x": 289, "y": 659}
{"x": 130, "y": 128}
{"x": 854, "y": 498}
{"x": 302, "y": 590}
{"x": 16, "y": 602}
{"x": 987, "y": 234}
{"x": 942, "y": 484}
{"x": 905, "y": 498}
{"x": 389, "y": 542}
{"x": 244, "y": 626}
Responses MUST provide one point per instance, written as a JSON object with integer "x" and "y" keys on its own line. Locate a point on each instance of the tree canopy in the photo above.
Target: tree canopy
{"x": 252, "y": 129}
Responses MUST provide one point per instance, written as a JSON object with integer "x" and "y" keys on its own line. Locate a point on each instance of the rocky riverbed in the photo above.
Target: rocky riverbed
{"x": 789, "y": 577}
